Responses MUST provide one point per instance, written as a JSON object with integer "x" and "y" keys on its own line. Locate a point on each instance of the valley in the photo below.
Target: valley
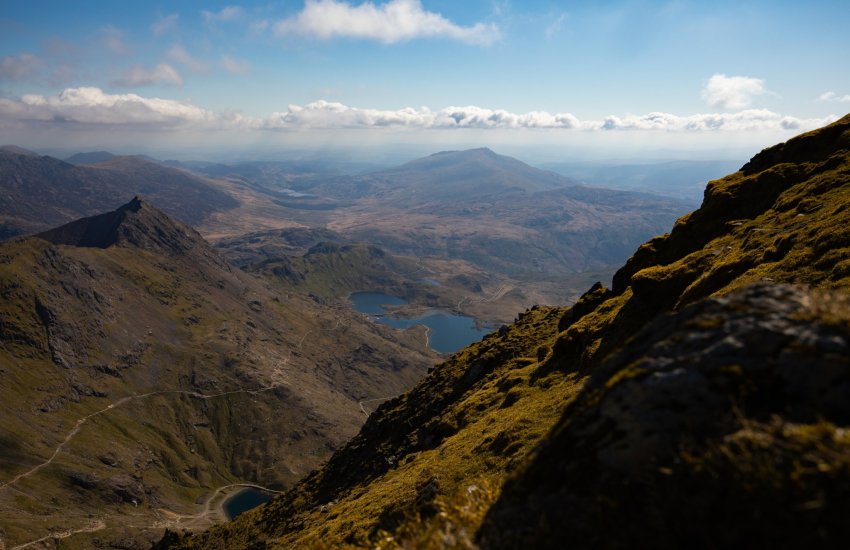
{"x": 700, "y": 399}
{"x": 150, "y": 376}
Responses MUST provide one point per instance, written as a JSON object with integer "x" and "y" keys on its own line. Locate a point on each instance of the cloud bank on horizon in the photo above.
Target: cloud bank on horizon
{"x": 508, "y": 69}
{"x": 92, "y": 106}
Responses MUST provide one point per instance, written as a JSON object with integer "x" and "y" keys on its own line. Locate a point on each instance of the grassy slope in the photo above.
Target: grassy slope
{"x": 82, "y": 328}
{"x": 427, "y": 466}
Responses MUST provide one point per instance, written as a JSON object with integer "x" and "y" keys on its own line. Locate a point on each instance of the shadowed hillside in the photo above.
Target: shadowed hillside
{"x": 39, "y": 192}
{"x": 681, "y": 407}
{"x": 143, "y": 377}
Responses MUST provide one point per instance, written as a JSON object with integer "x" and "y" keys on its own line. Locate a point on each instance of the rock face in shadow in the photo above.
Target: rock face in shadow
{"x": 136, "y": 224}
{"x": 719, "y": 425}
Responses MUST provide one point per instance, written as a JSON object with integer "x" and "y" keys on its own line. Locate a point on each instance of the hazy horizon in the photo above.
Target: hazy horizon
{"x": 619, "y": 80}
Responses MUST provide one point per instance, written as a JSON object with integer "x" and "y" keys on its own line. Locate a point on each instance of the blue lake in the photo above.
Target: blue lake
{"x": 244, "y": 500}
{"x": 449, "y": 332}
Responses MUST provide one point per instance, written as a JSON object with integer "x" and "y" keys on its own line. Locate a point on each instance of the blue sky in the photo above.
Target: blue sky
{"x": 604, "y": 77}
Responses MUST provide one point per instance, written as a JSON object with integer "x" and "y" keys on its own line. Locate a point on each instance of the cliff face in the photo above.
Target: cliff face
{"x": 683, "y": 406}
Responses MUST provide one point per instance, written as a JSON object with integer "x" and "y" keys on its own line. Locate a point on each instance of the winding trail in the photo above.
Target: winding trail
{"x": 82, "y": 421}
{"x": 93, "y": 526}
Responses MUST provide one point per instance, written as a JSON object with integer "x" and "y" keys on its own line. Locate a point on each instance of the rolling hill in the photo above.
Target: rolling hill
{"x": 701, "y": 401}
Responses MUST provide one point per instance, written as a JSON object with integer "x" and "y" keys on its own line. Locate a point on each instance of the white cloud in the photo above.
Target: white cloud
{"x": 234, "y": 65}
{"x": 139, "y": 75}
{"x": 394, "y": 21}
{"x": 113, "y": 40}
{"x": 832, "y": 96}
{"x": 229, "y": 13}
{"x": 325, "y": 114}
{"x": 19, "y": 67}
{"x": 164, "y": 24}
{"x": 741, "y": 121}
{"x": 179, "y": 54}
{"x": 92, "y": 106}
{"x": 732, "y": 92}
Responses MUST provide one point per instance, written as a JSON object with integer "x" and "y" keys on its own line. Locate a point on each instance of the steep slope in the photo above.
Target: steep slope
{"x": 39, "y": 192}
{"x": 617, "y": 422}
{"x": 141, "y": 377}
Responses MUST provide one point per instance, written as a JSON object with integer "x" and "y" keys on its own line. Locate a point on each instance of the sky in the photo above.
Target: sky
{"x": 559, "y": 80}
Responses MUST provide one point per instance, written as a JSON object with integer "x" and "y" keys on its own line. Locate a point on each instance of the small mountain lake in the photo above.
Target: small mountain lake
{"x": 244, "y": 500}
{"x": 449, "y": 332}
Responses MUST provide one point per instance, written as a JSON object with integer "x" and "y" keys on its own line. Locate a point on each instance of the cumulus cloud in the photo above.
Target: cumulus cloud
{"x": 228, "y": 13}
{"x": 234, "y": 65}
{"x": 394, "y": 21}
{"x": 326, "y": 114}
{"x": 92, "y": 106}
{"x": 113, "y": 40}
{"x": 19, "y": 67}
{"x": 164, "y": 24}
{"x": 747, "y": 120}
{"x": 139, "y": 75}
{"x": 179, "y": 54}
{"x": 832, "y": 96}
{"x": 732, "y": 92}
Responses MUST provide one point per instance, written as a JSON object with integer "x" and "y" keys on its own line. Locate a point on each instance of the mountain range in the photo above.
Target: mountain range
{"x": 700, "y": 401}
{"x": 490, "y": 221}
{"x": 39, "y": 192}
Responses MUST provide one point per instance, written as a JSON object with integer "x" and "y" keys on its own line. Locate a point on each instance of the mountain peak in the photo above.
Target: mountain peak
{"x": 135, "y": 224}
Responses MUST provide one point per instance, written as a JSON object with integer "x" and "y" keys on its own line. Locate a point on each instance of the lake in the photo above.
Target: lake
{"x": 449, "y": 332}
{"x": 246, "y": 499}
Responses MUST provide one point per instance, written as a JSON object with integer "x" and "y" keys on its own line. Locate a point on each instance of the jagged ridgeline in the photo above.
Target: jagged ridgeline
{"x": 142, "y": 377}
{"x": 683, "y": 407}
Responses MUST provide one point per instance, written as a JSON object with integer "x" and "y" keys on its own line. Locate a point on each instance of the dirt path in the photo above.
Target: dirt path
{"x": 82, "y": 421}
{"x": 93, "y": 526}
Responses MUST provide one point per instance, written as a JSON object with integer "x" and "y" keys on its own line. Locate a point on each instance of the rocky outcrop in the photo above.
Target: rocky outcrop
{"x": 720, "y": 425}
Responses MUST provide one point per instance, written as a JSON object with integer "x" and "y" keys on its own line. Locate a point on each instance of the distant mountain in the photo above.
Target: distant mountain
{"x": 681, "y": 179}
{"x": 89, "y": 158}
{"x": 703, "y": 400}
{"x": 142, "y": 376}
{"x": 457, "y": 174}
{"x": 494, "y": 211}
{"x": 15, "y": 150}
{"x": 37, "y": 192}
{"x": 450, "y": 175}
